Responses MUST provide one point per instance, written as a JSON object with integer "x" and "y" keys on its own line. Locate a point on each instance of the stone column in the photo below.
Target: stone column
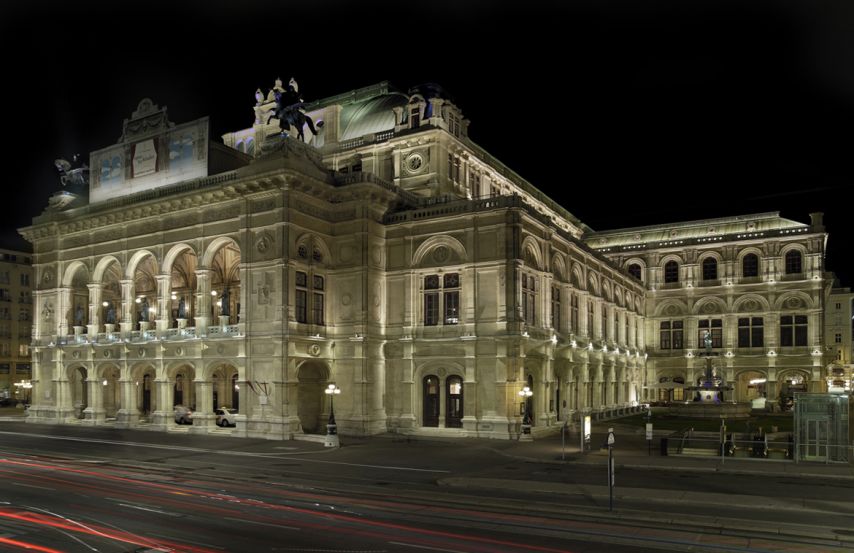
{"x": 62, "y": 311}
{"x": 94, "y": 412}
{"x": 204, "y": 416}
{"x": 583, "y": 298}
{"x": 94, "y": 309}
{"x": 164, "y": 301}
{"x": 127, "y": 415}
{"x": 203, "y": 301}
{"x": 128, "y": 303}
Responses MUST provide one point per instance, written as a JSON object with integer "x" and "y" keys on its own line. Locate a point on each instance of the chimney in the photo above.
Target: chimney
{"x": 817, "y": 221}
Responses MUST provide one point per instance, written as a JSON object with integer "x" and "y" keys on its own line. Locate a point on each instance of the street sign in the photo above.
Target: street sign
{"x": 649, "y": 431}
{"x": 611, "y": 436}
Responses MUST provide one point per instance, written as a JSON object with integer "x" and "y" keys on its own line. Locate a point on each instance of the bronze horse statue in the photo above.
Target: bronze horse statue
{"x": 287, "y": 111}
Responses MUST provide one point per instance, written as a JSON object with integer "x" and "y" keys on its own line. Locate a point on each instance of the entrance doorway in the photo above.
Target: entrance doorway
{"x": 431, "y": 401}
{"x": 454, "y": 407}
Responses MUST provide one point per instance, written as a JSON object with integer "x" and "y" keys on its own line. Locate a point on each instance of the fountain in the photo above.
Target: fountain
{"x": 707, "y": 398}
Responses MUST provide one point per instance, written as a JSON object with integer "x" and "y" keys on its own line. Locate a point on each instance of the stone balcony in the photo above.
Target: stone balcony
{"x": 142, "y": 336}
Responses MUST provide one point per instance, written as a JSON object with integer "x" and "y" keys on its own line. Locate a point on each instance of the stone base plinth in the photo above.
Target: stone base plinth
{"x": 700, "y": 410}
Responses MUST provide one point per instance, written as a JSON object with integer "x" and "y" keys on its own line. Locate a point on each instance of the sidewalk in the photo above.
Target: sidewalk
{"x": 12, "y": 413}
{"x": 631, "y": 450}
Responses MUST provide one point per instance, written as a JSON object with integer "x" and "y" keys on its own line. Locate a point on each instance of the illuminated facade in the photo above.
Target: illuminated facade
{"x": 15, "y": 321}
{"x": 388, "y": 254}
{"x": 755, "y": 282}
{"x": 838, "y": 321}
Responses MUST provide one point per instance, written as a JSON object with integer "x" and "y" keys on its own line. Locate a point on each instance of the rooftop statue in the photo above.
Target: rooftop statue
{"x": 287, "y": 111}
{"x": 73, "y": 173}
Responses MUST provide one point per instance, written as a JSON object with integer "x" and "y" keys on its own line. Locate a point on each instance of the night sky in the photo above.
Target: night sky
{"x": 627, "y": 113}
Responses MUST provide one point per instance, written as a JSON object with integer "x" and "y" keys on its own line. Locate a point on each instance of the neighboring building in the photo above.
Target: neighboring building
{"x": 391, "y": 255}
{"x": 16, "y": 320}
{"x": 755, "y": 282}
{"x": 838, "y": 320}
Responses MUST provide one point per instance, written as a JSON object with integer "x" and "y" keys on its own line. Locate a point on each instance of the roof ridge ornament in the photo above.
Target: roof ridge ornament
{"x": 149, "y": 118}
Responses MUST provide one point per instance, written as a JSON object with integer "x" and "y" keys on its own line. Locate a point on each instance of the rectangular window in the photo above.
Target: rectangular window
{"x": 838, "y": 338}
{"x": 715, "y": 328}
{"x": 589, "y": 319}
{"x": 317, "y": 309}
{"x": 664, "y": 335}
{"x": 751, "y": 332}
{"x": 529, "y": 299}
{"x": 442, "y": 297}
{"x": 452, "y": 307}
{"x": 556, "y": 308}
{"x": 604, "y": 322}
{"x": 302, "y": 306}
{"x": 431, "y": 309}
{"x": 573, "y": 313}
{"x": 793, "y": 330}
{"x": 670, "y": 335}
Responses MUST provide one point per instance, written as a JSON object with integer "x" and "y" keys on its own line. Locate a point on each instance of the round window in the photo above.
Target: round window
{"x": 414, "y": 162}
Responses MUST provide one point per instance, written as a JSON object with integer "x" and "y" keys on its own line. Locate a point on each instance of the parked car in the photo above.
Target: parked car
{"x": 225, "y": 416}
{"x": 183, "y": 414}
{"x": 5, "y": 401}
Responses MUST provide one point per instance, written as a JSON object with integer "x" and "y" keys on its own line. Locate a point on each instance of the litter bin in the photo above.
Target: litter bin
{"x": 664, "y": 447}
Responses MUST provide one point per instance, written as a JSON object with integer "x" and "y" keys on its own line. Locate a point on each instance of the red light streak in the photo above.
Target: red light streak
{"x": 26, "y": 545}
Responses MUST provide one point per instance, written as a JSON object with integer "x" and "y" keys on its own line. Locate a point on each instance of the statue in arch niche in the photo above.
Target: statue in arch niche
{"x": 78, "y": 315}
{"x": 225, "y": 309}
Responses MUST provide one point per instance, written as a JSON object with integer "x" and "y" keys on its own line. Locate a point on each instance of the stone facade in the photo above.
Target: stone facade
{"x": 388, "y": 254}
{"x": 756, "y": 282}
{"x": 16, "y": 318}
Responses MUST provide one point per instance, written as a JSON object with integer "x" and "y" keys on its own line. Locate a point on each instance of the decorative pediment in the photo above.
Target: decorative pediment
{"x": 148, "y": 118}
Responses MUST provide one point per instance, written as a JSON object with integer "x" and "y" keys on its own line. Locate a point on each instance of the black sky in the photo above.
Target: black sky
{"x": 627, "y": 113}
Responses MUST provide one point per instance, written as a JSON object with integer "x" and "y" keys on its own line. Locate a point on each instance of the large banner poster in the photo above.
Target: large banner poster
{"x": 144, "y": 157}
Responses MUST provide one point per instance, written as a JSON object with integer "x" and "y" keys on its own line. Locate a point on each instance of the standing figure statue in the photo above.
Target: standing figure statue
{"x": 287, "y": 111}
{"x": 182, "y": 309}
{"x": 143, "y": 314}
{"x": 707, "y": 340}
{"x": 111, "y": 314}
{"x": 78, "y": 315}
{"x": 225, "y": 308}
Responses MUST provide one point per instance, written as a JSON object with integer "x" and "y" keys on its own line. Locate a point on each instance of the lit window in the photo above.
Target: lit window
{"x": 715, "y": 328}
{"x": 442, "y": 296}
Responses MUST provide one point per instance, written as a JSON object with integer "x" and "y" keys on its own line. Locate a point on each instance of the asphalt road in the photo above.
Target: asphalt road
{"x": 96, "y": 489}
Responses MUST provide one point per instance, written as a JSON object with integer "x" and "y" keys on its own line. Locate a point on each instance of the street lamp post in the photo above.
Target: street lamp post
{"x": 331, "y": 427}
{"x": 526, "y": 393}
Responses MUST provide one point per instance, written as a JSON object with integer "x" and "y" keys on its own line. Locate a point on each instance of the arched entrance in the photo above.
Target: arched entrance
{"x": 224, "y": 379}
{"x": 750, "y": 387}
{"x": 79, "y": 391}
{"x": 78, "y": 310}
{"x": 182, "y": 298}
{"x": 454, "y": 407}
{"x": 146, "y": 404}
{"x": 430, "y": 401}
{"x": 225, "y": 281}
{"x": 183, "y": 392}
{"x": 312, "y": 381}
{"x": 790, "y": 383}
{"x": 110, "y": 390}
{"x": 144, "y": 309}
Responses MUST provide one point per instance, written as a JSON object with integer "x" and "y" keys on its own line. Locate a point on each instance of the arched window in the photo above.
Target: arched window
{"x": 635, "y": 270}
{"x": 794, "y": 263}
{"x": 710, "y": 268}
{"x": 750, "y": 265}
{"x": 671, "y": 272}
